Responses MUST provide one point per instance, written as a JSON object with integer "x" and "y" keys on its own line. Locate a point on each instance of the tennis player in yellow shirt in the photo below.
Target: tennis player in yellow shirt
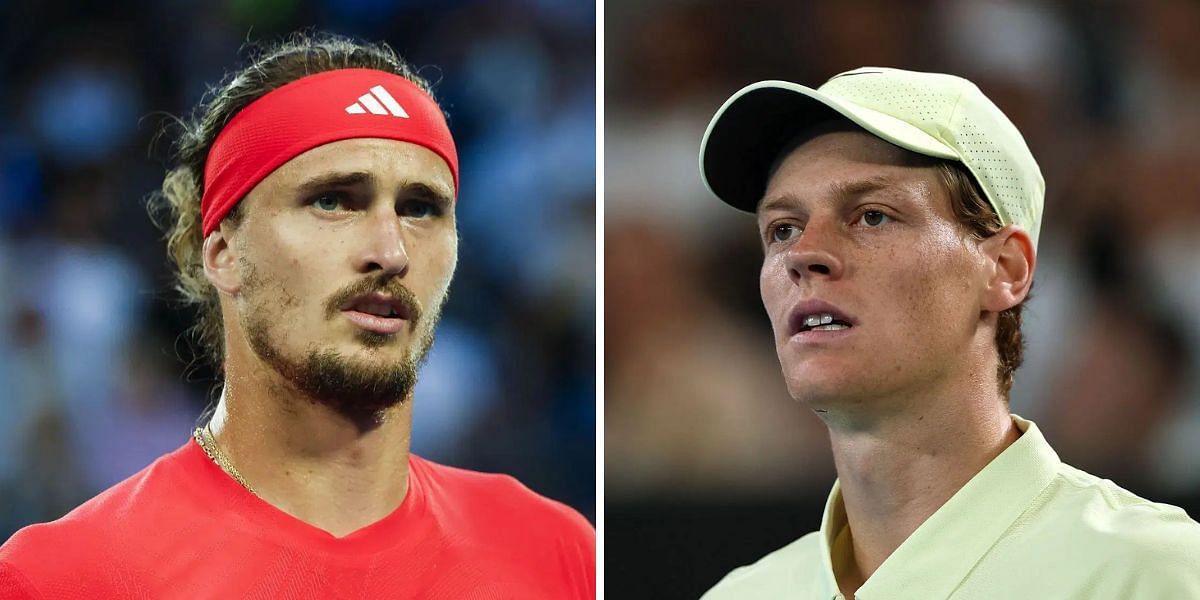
{"x": 899, "y": 216}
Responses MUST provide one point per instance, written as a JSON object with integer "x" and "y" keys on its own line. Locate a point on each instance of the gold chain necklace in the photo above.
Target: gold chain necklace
{"x": 208, "y": 442}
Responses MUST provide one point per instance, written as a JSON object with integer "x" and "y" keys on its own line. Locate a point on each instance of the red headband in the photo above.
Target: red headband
{"x": 311, "y": 111}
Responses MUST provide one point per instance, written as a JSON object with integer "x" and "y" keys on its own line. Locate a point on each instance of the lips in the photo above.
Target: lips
{"x": 378, "y": 312}
{"x": 807, "y": 308}
{"x": 380, "y": 305}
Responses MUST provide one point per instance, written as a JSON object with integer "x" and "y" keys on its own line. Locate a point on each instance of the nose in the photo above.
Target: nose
{"x": 383, "y": 251}
{"x": 813, "y": 254}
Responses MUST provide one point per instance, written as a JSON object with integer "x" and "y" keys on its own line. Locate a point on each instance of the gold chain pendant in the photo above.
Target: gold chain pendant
{"x": 208, "y": 442}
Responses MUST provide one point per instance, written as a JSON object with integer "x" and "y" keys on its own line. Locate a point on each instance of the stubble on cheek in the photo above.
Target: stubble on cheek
{"x": 358, "y": 389}
{"x": 257, "y": 311}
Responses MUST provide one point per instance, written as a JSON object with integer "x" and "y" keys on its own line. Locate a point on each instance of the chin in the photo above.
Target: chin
{"x": 817, "y": 394}
{"x": 818, "y": 366}
{"x": 356, "y": 387}
{"x": 820, "y": 380}
{"x": 372, "y": 340}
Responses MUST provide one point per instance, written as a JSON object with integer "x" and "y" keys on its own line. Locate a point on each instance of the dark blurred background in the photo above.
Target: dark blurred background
{"x": 709, "y": 463}
{"x": 94, "y": 376}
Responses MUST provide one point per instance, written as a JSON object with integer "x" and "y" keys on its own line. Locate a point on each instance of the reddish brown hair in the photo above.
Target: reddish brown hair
{"x": 976, "y": 214}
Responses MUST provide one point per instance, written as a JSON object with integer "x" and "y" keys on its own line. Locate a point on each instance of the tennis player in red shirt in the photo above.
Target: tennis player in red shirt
{"x": 312, "y": 223}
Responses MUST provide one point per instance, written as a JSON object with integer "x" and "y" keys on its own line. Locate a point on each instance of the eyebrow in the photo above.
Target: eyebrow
{"x": 428, "y": 192}
{"x": 841, "y": 190}
{"x": 417, "y": 189}
{"x": 861, "y": 187}
{"x": 336, "y": 179}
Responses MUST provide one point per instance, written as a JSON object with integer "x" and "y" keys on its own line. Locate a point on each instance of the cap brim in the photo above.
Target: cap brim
{"x": 750, "y": 130}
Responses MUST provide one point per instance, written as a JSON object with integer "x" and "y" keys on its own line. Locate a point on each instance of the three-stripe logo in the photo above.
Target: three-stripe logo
{"x": 377, "y": 101}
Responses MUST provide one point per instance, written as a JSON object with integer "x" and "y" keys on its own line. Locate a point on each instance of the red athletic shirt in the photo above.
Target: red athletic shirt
{"x": 182, "y": 528}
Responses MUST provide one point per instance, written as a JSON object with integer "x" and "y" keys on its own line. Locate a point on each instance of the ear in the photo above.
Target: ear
{"x": 1011, "y": 263}
{"x": 220, "y": 262}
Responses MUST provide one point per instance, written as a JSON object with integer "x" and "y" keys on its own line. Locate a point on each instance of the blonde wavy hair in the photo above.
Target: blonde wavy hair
{"x": 175, "y": 208}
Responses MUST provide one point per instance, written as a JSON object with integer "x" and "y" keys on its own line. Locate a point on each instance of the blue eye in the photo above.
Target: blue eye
{"x": 783, "y": 232}
{"x": 328, "y": 202}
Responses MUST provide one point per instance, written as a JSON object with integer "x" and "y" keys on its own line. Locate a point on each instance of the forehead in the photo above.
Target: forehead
{"x": 390, "y": 162}
{"x": 832, "y": 161}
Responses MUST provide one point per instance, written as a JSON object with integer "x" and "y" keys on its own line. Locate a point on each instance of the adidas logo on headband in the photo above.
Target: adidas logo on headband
{"x": 371, "y": 101}
{"x": 267, "y": 133}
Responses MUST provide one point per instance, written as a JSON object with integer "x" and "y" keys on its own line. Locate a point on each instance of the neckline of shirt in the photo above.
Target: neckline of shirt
{"x": 935, "y": 559}
{"x": 234, "y": 507}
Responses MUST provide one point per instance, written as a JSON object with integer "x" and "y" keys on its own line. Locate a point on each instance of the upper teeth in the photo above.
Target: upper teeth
{"x": 820, "y": 319}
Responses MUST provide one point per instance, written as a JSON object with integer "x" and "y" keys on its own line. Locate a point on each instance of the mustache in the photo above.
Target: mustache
{"x": 389, "y": 286}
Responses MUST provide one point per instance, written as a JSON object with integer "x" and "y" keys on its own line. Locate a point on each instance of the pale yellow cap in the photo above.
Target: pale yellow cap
{"x": 934, "y": 114}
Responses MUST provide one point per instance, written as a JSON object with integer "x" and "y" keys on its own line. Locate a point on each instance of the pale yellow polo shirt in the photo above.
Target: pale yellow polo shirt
{"x": 1027, "y": 526}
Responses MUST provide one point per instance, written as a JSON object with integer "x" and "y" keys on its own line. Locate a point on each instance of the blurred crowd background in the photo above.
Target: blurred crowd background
{"x": 708, "y": 463}
{"x": 96, "y": 379}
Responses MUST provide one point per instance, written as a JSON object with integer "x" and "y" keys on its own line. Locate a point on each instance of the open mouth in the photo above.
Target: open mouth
{"x": 822, "y": 322}
{"x": 816, "y": 315}
{"x": 378, "y": 312}
{"x": 379, "y": 309}
{"x": 379, "y": 305}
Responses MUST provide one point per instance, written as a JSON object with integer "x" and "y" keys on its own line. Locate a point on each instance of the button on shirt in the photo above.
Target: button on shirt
{"x": 1026, "y": 526}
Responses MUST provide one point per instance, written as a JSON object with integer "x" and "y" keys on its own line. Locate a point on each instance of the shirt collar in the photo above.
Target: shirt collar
{"x": 934, "y": 560}
{"x": 833, "y": 523}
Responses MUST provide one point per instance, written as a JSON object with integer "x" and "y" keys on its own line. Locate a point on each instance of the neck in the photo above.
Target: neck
{"x": 897, "y": 471}
{"x": 309, "y": 461}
